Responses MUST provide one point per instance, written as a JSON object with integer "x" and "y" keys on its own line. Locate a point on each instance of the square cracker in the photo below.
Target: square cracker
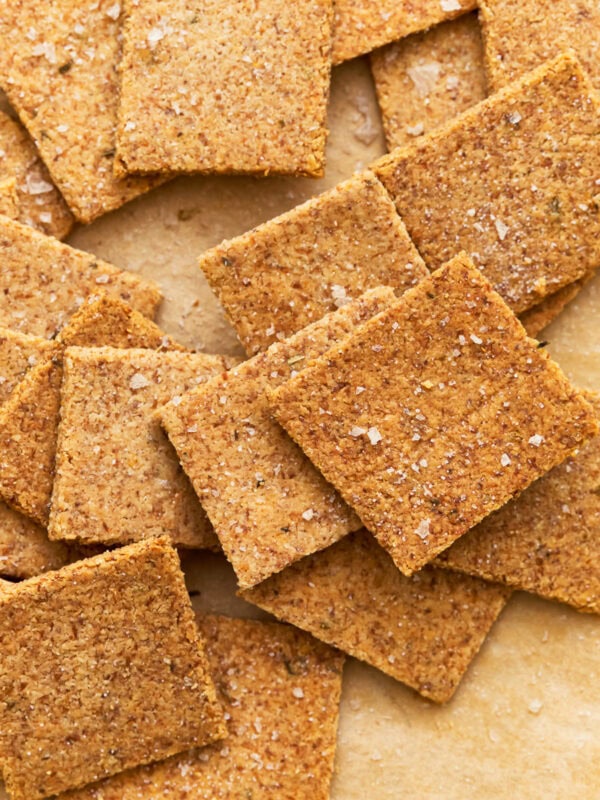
{"x": 211, "y": 87}
{"x": 512, "y": 181}
{"x": 547, "y": 540}
{"x": 102, "y": 670}
{"x": 43, "y": 282}
{"x": 423, "y": 631}
{"x": 117, "y": 477}
{"x": 520, "y": 34}
{"x": 429, "y": 78}
{"x": 29, "y": 417}
{"x": 281, "y": 691}
{"x": 360, "y": 26}
{"x": 58, "y": 67}
{"x": 268, "y": 504}
{"x": 289, "y": 272}
{"x": 39, "y": 203}
{"x": 434, "y": 414}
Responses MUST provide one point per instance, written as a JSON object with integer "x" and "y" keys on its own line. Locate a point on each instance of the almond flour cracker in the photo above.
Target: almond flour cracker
{"x": 211, "y": 87}
{"x": 531, "y": 228}
{"x": 102, "y": 670}
{"x": 434, "y": 414}
{"x": 268, "y": 504}
{"x": 289, "y": 272}
{"x": 423, "y": 631}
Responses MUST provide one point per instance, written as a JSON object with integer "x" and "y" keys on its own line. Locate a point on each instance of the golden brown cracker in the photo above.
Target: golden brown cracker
{"x": 117, "y": 477}
{"x": 268, "y": 504}
{"x": 25, "y": 549}
{"x": 102, "y": 670}
{"x": 208, "y": 87}
{"x": 287, "y": 273}
{"x": 429, "y": 78}
{"x": 424, "y": 630}
{"x": 434, "y": 413}
{"x": 18, "y": 354}
{"x": 280, "y": 690}
{"x": 511, "y": 181}
{"x": 535, "y": 319}
{"x": 9, "y": 204}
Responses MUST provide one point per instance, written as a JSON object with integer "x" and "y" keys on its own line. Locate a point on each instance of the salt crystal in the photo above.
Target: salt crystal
{"x": 514, "y": 118}
{"x": 360, "y": 389}
{"x": 423, "y": 530}
{"x": 155, "y": 35}
{"x": 339, "y": 296}
{"x": 297, "y": 692}
{"x": 535, "y": 706}
{"x": 35, "y": 185}
{"x": 536, "y": 440}
{"x": 114, "y": 11}
{"x": 476, "y": 339}
{"x": 450, "y": 5}
{"x": 505, "y": 460}
{"x": 102, "y": 279}
{"x": 374, "y": 435}
{"x": 308, "y": 514}
{"x": 415, "y": 130}
{"x": 424, "y": 77}
{"x": 356, "y": 431}
{"x": 502, "y": 229}
{"x": 138, "y": 381}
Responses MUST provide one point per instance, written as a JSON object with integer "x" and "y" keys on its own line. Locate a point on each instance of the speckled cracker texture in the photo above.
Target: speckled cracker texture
{"x": 289, "y": 272}
{"x": 280, "y": 690}
{"x": 58, "y": 67}
{"x": 429, "y": 78}
{"x": 362, "y": 25}
{"x": 207, "y": 86}
{"x": 117, "y": 476}
{"x": 9, "y": 204}
{"x": 102, "y": 670}
{"x": 434, "y": 414}
{"x": 546, "y": 541}
{"x": 268, "y": 504}
{"x": 513, "y": 182}
{"x": 39, "y": 203}
{"x": 521, "y": 34}
{"x": 423, "y": 631}
{"x": 43, "y": 282}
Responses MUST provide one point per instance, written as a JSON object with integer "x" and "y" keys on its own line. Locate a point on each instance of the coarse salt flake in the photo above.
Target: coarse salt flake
{"x": 339, "y": 296}
{"x": 501, "y": 229}
{"x": 114, "y": 11}
{"x": 423, "y": 528}
{"x": 424, "y": 77}
{"x": 374, "y": 435}
{"x": 450, "y": 5}
{"x": 505, "y": 460}
{"x": 476, "y": 339}
{"x": 415, "y": 130}
{"x": 536, "y": 440}
{"x": 138, "y": 381}
{"x": 297, "y": 692}
{"x": 514, "y": 118}
{"x": 155, "y": 35}
{"x": 356, "y": 431}
{"x": 308, "y": 514}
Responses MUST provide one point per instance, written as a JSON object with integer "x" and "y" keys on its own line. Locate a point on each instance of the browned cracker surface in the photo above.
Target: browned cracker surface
{"x": 268, "y": 504}
{"x": 58, "y": 67}
{"x": 39, "y": 203}
{"x": 43, "y": 282}
{"x": 102, "y": 670}
{"x": 360, "y": 26}
{"x": 429, "y": 78}
{"x": 434, "y": 414}
{"x": 280, "y": 690}
{"x": 511, "y": 181}
{"x": 423, "y": 631}
{"x": 289, "y": 272}
{"x": 546, "y": 541}
{"x": 9, "y": 204}
{"x": 216, "y": 87}
{"x": 521, "y": 34}
{"x": 117, "y": 476}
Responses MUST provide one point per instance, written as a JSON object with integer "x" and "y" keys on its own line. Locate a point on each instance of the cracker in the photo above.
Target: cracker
{"x": 217, "y": 88}
{"x": 18, "y": 354}
{"x": 268, "y": 504}
{"x": 281, "y": 690}
{"x": 9, "y": 206}
{"x": 547, "y": 540}
{"x": 434, "y": 413}
{"x": 58, "y": 67}
{"x": 39, "y": 203}
{"x": 521, "y": 34}
{"x": 287, "y": 273}
{"x": 429, "y": 78}
{"x": 535, "y": 319}
{"x": 360, "y": 27}
{"x": 531, "y": 229}
{"x": 117, "y": 477}
{"x": 102, "y": 669}
{"x": 29, "y": 418}
{"x": 423, "y": 631}
{"x": 43, "y": 282}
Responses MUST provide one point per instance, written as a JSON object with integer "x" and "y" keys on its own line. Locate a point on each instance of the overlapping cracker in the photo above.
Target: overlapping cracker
{"x": 434, "y": 414}
{"x": 58, "y": 67}
{"x": 360, "y": 26}
{"x": 29, "y": 417}
{"x": 280, "y": 690}
{"x": 423, "y": 631}
{"x": 547, "y": 540}
{"x": 429, "y": 78}
{"x": 43, "y": 282}
{"x": 117, "y": 477}
{"x": 535, "y": 319}
{"x": 216, "y": 88}
{"x": 513, "y": 182}
{"x": 9, "y": 205}
{"x": 521, "y": 34}
{"x": 102, "y": 669}
{"x": 39, "y": 203}
{"x": 289, "y": 272}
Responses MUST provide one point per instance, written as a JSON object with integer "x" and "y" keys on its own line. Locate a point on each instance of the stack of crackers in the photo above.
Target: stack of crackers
{"x": 395, "y": 454}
